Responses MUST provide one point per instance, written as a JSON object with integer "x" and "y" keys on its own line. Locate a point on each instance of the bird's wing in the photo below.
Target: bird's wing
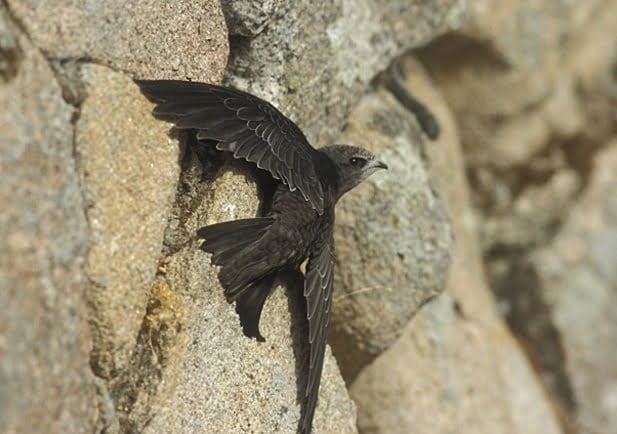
{"x": 248, "y": 126}
{"x": 318, "y": 293}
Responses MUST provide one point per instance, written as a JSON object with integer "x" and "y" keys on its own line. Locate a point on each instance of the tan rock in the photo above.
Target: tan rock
{"x": 129, "y": 178}
{"x": 46, "y": 384}
{"x": 315, "y": 62}
{"x": 193, "y": 368}
{"x": 533, "y": 97}
{"x": 502, "y": 71}
{"x": 561, "y": 112}
{"x": 152, "y": 38}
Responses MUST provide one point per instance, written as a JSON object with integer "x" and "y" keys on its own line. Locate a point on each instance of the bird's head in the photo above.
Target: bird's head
{"x": 354, "y": 165}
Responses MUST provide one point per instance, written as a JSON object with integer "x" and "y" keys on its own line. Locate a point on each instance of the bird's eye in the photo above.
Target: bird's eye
{"x": 357, "y": 161}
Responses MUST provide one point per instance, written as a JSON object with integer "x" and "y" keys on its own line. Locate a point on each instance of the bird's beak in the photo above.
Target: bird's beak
{"x": 379, "y": 165}
{"x": 372, "y": 167}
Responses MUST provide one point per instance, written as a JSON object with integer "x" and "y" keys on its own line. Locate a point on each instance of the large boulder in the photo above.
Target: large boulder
{"x": 129, "y": 181}
{"x": 185, "y": 39}
{"x": 535, "y": 99}
{"x": 392, "y": 234}
{"x": 571, "y": 288}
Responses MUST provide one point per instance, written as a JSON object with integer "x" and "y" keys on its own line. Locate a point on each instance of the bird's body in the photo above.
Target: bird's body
{"x": 299, "y": 223}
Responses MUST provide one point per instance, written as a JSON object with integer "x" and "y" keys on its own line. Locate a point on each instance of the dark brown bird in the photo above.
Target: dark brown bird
{"x": 299, "y": 223}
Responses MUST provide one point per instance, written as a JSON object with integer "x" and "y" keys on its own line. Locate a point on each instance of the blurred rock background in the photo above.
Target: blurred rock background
{"x": 474, "y": 294}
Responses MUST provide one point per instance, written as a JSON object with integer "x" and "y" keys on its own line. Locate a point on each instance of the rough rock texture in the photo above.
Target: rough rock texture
{"x": 577, "y": 276}
{"x": 129, "y": 176}
{"x": 455, "y": 368}
{"x": 523, "y": 147}
{"x": 392, "y": 236}
{"x": 314, "y": 62}
{"x": 247, "y": 18}
{"x": 535, "y": 99}
{"x": 46, "y": 383}
{"x": 153, "y": 38}
{"x": 191, "y": 347}
{"x": 510, "y": 46}
{"x": 112, "y": 320}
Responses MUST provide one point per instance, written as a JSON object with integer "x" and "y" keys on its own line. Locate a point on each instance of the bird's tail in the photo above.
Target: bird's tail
{"x": 246, "y": 280}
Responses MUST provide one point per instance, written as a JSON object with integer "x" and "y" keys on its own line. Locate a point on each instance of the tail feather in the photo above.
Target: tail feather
{"x": 246, "y": 278}
{"x": 250, "y": 303}
{"x": 235, "y": 229}
{"x": 227, "y": 242}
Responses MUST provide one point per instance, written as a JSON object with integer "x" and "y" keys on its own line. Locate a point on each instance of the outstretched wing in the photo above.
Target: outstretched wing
{"x": 318, "y": 293}
{"x": 248, "y": 126}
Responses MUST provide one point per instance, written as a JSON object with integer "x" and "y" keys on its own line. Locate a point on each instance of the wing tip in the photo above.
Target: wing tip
{"x": 150, "y": 89}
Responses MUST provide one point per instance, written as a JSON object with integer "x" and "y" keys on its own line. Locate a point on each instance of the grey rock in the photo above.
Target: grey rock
{"x": 455, "y": 368}
{"x": 502, "y": 48}
{"x": 535, "y": 100}
{"x": 529, "y": 83}
{"x": 314, "y": 62}
{"x": 47, "y": 385}
{"x": 247, "y": 18}
{"x": 152, "y": 38}
{"x": 577, "y": 276}
{"x": 451, "y": 373}
{"x": 10, "y": 50}
{"x": 129, "y": 178}
{"x": 392, "y": 236}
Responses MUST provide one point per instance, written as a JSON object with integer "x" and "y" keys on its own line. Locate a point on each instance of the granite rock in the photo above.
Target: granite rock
{"x": 47, "y": 384}
{"x": 535, "y": 99}
{"x": 577, "y": 277}
{"x": 191, "y": 347}
{"x": 392, "y": 236}
{"x": 129, "y": 179}
{"x": 152, "y": 39}
{"x": 315, "y": 62}
{"x": 456, "y": 367}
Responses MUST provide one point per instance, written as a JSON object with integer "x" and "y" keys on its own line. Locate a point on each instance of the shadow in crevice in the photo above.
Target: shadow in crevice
{"x": 135, "y": 388}
{"x": 201, "y": 164}
{"x": 529, "y": 316}
{"x": 460, "y": 49}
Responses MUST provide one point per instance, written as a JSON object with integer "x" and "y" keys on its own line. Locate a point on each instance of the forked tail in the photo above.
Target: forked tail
{"x": 245, "y": 274}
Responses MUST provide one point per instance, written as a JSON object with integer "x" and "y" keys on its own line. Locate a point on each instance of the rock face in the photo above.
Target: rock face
{"x": 394, "y": 227}
{"x": 47, "y": 384}
{"x": 191, "y": 348}
{"x": 112, "y": 319}
{"x": 577, "y": 276}
{"x": 535, "y": 101}
{"x": 129, "y": 177}
{"x": 455, "y": 368}
{"x": 342, "y": 43}
{"x": 152, "y": 38}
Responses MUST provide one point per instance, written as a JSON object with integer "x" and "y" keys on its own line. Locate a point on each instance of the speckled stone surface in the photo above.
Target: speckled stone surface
{"x": 577, "y": 273}
{"x": 392, "y": 236}
{"x": 241, "y": 385}
{"x": 129, "y": 180}
{"x": 184, "y": 39}
{"x": 314, "y": 62}
{"x": 456, "y": 367}
{"x": 46, "y": 381}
